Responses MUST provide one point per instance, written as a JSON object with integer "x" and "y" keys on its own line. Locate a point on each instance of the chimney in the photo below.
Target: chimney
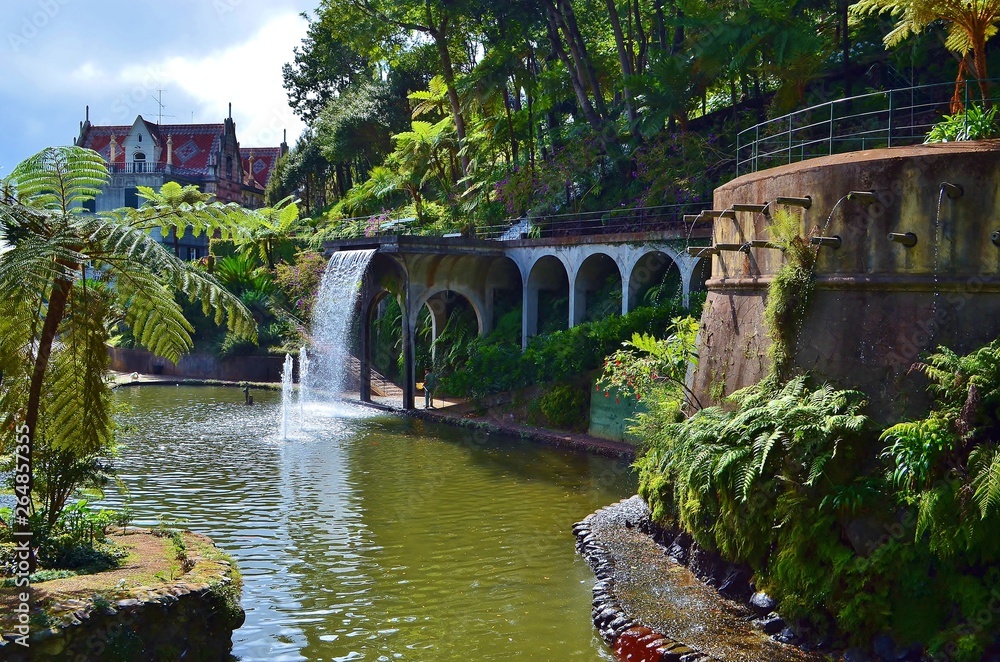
{"x": 113, "y": 150}
{"x": 170, "y": 149}
{"x": 88, "y": 113}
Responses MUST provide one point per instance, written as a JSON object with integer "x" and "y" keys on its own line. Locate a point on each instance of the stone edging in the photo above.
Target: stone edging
{"x": 182, "y": 619}
{"x": 625, "y": 636}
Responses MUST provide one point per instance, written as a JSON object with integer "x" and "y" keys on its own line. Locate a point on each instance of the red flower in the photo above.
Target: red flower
{"x": 606, "y": 394}
{"x": 618, "y": 401}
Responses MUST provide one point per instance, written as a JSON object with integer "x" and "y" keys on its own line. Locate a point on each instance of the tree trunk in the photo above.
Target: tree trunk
{"x": 979, "y": 62}
{"x": 626, "y": 64}
{"x": 53, "y": 317}
{"x": 448, "y": 71}
{"x": 510, "y": 123}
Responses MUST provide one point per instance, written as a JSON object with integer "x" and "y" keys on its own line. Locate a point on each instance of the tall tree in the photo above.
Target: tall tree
{"x": 382, "y": 26}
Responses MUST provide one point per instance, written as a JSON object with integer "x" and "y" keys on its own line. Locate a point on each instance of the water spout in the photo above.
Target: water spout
{"x": 744, "y": 248}
{"x": 763, "y": 243}
{"x": 751, "y": 208}
{"x": 832, "y": 242}
{"x": 864, "y": 197}
{"x": 719, "y": 213}
{"x": 303, "y": 381}
{"x": 953, "y": 191}
{"x": 805, "y": 201}
{"x": 286, "y": 394}
{"x": 907, "y": 239}
{"x": 701, "y": 251}
{"x": 995, "y": 238}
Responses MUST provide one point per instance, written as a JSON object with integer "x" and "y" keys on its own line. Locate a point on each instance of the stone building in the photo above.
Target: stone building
{"x": 206, "y": 155}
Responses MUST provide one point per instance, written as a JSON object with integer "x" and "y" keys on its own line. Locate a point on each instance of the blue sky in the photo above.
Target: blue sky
{"x": 58, "y": 56}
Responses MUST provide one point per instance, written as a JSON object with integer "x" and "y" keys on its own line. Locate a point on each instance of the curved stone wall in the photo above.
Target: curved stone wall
{"x": 877, "y": 304}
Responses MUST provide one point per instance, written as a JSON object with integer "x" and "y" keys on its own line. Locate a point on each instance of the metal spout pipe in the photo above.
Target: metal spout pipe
{"x": 953, "y": 191}
{"x": 908, "y": 239}
{"x": 805, "y": 202}
{"x": 762, "y": 243}
{"x": 752, "y": 208}
{"x": 733, "y": 247}
{"x": 719, "y": 213}
{"x": 864, "y": 197}
{"x": 692, "y": 218}
{"x": 995, "y": 238}
{"x": 701, "y": 251}
{"x": 832, "y": 242}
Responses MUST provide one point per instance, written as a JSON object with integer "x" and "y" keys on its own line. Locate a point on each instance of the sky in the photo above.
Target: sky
{"x": 58, "y": 56}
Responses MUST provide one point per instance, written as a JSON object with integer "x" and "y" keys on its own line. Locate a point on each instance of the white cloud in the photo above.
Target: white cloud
{"x": 247, "y": 74}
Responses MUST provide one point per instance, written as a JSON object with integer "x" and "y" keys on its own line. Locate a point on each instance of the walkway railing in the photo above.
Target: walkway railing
{"x": 662, "y": 218}
{"x": 879, "y": 119}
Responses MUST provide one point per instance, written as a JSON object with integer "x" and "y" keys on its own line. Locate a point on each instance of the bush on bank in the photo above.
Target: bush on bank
{"x": 855, "y": 531}
{"x": 496, "y": 363}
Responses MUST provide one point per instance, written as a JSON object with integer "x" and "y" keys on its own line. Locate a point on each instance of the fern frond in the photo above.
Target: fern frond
{"x": 59, "y": 178}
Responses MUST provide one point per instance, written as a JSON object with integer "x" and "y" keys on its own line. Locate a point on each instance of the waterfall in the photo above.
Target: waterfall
{"x": 286, "y": 394}
{"x": 331, "y": 323}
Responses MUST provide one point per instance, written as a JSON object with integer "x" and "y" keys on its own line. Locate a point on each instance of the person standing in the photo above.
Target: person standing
{"x": 430, "y": 383}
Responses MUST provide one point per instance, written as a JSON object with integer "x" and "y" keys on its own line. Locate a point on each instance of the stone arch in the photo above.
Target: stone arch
{"x": 385, "y": 277}
{"x": 503, "y": 289}
{"x": 548, "y": 280}
{"x": 432, "y": 294}
{"x": 595, "y": 273}
{"x": 649, "y": 271}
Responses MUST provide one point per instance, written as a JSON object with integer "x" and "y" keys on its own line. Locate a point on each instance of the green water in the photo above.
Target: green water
{"x": 375, "y": 537}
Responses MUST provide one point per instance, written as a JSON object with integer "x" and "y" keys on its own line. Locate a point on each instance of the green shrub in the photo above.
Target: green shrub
{"x": 565, "y": 406}
{"x": 973, "y": 124}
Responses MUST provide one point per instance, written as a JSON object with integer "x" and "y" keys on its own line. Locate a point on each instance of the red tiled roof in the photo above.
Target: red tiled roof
{"x": 264, "y": 161}
{"x": 193, "y": 145}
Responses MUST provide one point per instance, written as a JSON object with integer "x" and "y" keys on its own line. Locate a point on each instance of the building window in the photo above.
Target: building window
{"x": 229, "y": 167}
{"x": 132, "y": 198}
{"x": 192, "y": 253}
{"x": 90, "y": 206}
{"x": 140, "y": 161}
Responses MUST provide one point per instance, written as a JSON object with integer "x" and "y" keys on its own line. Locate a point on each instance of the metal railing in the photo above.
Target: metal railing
{"x": 889, "y": 118}
{"x": 663, "y": 218}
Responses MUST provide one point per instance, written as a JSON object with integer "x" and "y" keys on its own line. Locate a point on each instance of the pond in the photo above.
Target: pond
{"x": 375, "y": 537}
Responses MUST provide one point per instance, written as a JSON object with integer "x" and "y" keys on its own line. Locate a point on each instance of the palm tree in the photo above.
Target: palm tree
{"x": 970, "y": 24}
{"x": 61, "y": 273}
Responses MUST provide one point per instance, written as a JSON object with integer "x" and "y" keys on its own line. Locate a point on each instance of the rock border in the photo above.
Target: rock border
{"x": 627, "y": 638}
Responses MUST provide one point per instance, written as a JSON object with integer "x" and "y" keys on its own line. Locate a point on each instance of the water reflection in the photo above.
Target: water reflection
{"x": 376, "y": 538}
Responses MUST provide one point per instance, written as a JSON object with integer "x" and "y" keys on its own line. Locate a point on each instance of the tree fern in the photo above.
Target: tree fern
{"x": 52, "y": 320}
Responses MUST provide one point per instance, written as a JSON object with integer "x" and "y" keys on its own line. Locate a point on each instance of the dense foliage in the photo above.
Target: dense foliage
{"x": 789, "y": 479}
{"x": 496, "y": 363}
{"x": 460, "y": 114}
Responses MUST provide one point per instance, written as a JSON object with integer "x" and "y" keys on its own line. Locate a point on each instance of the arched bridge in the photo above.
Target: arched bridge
{"x": 552, "y": 280}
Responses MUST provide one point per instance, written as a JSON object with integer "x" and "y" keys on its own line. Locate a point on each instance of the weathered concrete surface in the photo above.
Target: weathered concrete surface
{"x": 639, "y": 585}
{"x": 877, "y": 304}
